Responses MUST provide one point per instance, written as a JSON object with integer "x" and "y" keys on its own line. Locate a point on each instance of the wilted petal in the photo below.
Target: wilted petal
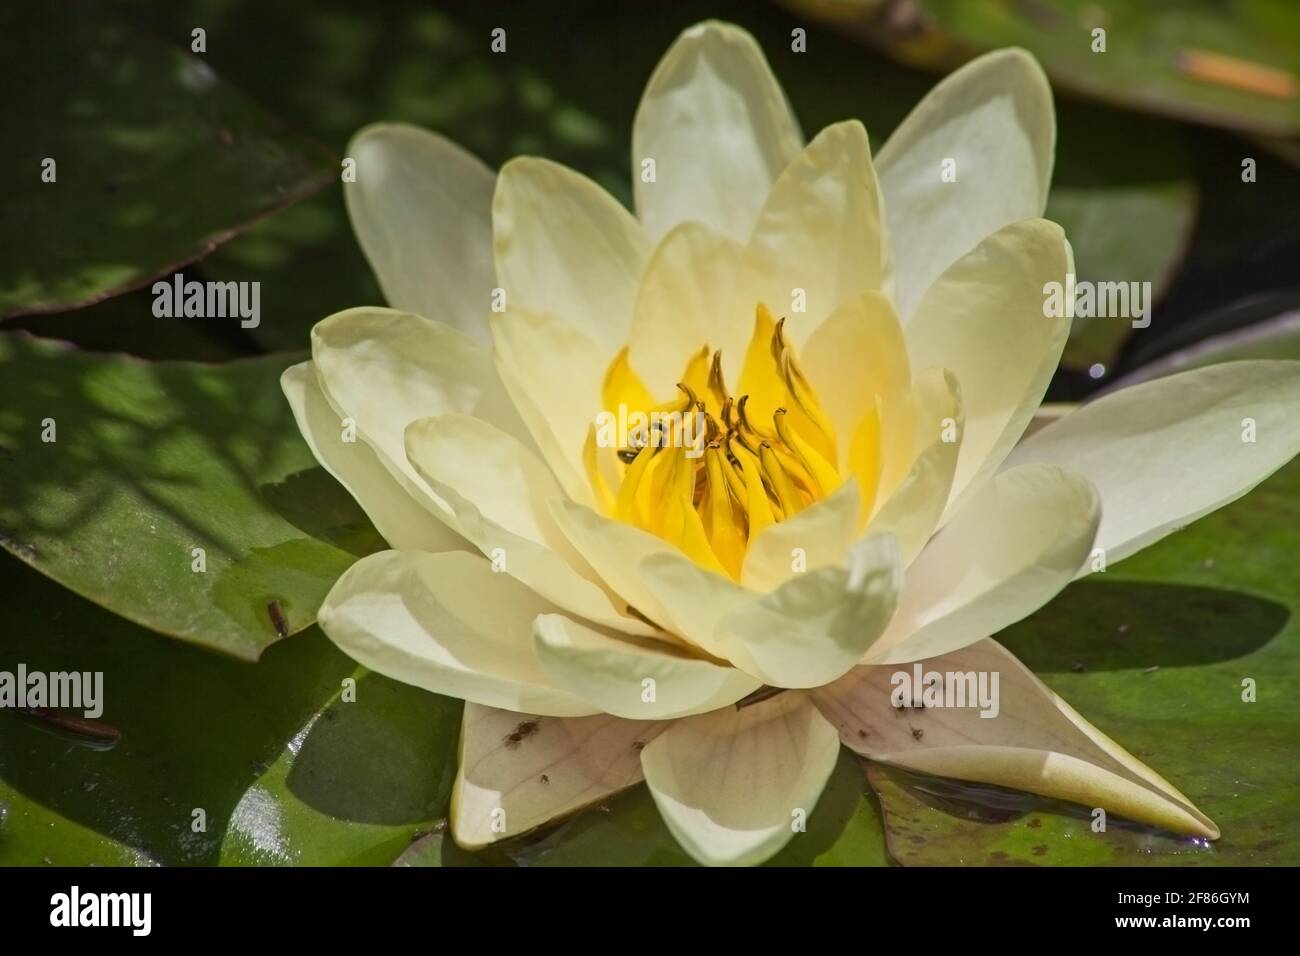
{"x": 519, "y": 771}
{"x": 1034, "y": 742}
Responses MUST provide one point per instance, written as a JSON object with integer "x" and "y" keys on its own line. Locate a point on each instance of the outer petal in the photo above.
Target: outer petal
{"x": 518, "y": 771}
{"x": 497, "y": 492}
{"x": 718, "y": 128}
{"x": 1008, "y": 552}
{"x": 447, "y": 623}
{"x": 421, "y": 209}
{"x": 404, "y": 522}
{"x": 553, "y": 373}
{"x": 994, "y": 118}
{"x": 385, "y": 369}
{"x": 912, "y": 512}
{"x": 565, "y": 246}
{"x": 612, "y": 672}
{"x": 983, "y": 320}
{"x": 1036, "y": 742}
{"x": 806, "y": 633}
{"x": 1166, "y": 452}
{"x": 822, "y": 230}
{"x": 731, "y": 785}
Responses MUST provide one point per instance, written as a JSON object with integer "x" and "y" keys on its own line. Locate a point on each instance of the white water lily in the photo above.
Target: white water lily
{"x": 717, "y": 621}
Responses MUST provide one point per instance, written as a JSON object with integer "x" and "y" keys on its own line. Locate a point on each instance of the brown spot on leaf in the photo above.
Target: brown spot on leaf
{"x": 521, "y": 733}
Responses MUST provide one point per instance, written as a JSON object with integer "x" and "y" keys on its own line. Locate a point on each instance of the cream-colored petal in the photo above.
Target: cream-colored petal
{"x": 640, "y": 679}
{"x": 1036, "y": 742}
{"x": 814, "y": 538}
{"x": 1166, "y": 452}
{"x": 806, "y": 633}
{"x": 821, "y": 231}
{"x": 498, "y": 493}
{"x": 614, "y": 549}
{"x": 983, "y": 321}
{"x": 717, "y": 126}
{"x": 519, "y": 771}
{"x": 912, "y": 512}
{"x": 421, "y": 209}
{"x": 1014, "y": 545}
{"x": 856, "y": 357}
{"x": 384, "y": 369}
{"x": 994, "y": 119}
{"x": 689, "y": 298}
{"x": 553, "y": 373}
{"x": 405, "y": 523}
{"x": 448, "y": 623}
{"x": 735, "y": 786}
{"x": 566, "y": 247}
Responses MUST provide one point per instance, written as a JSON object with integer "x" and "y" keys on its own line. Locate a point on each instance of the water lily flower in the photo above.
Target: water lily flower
{"x": 864, "y": 342}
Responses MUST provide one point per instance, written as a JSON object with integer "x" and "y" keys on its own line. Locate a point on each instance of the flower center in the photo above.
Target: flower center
{"x": 708, "y": 469}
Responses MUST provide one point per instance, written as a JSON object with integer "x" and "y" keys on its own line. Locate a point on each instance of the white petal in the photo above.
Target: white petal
{"x": 689, "y": 298}
{"x": 498, "y": 492}
{"x": 565, "y": 246}
{"x": 912, "y": 512}
{"x": 447, "y": 623}
{"x": 637, "y": 679}
{"x": 403, "y": 521}
{"x": 1166, "y": 452}
{"x": 733, "y": 785}
{"x": 553, "y": 373}
{"x": 1032, "y": 740}
{"x": 806, "y": 633}
{"x": 718, "y": 128}
{"x": 822, "y": 532}
{"x": 822, "y": 231}
{"x": 519, "y": 771}
{"x": 1014, "y": 545}
{"x": 384, "y": 369}
{"x": 421, "y": 209}
{"x": 994, "y": 118}
{"x": 983, "y": 321}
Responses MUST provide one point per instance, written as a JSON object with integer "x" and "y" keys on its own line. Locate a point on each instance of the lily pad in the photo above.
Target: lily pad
{"x": 1160, "y": 653}
{"x": 284, "y": 769}
{"x": 114, "y": 471}
{"x": 1230, "y": 65}
{"x": 156, "y": 161}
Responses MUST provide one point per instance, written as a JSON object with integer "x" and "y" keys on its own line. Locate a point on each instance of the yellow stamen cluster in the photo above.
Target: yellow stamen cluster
{"x": 764, "y": 456}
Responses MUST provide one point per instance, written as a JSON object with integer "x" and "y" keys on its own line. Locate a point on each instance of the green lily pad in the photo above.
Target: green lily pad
{"x": 1154, "y": 652}
{"x": 1155, "y": 58}
{"x": 156, "y": 160}
{"x": 284, "y": 769}
{"x": 149, "y": 462}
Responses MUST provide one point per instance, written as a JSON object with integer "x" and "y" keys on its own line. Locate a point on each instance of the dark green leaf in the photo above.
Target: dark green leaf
{"x": 151, "y": 461}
